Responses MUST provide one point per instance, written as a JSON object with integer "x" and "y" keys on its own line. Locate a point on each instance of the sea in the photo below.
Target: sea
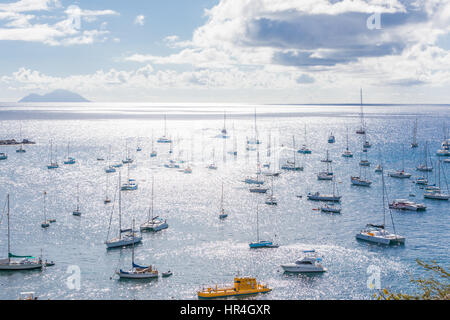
{"x": 199, "y": 248}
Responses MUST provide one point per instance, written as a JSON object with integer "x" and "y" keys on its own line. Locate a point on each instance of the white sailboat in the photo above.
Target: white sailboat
{"x": 424, "y": 166}
{"x": 401, "y": 174}
{"x": 334, "y": 197}
{"x": 46, "y": 222}
{"x": 15, "y": 262}
{"x": 153, "y": 223}
{"x": 255, "y": 140}
{"x": 377, "y": 233}
{"x": 362, "y": 179}
{"x": 126, "y": 236}
{"x": 436, "y": 193}
{"x": 212, "y": 165}
{"x": 107, "y": 199}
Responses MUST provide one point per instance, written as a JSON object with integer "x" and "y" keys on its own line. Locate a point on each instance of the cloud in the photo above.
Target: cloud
{"x": 17, "y": 25}
{"x": 139, "y": 20}
{"x": 305, "y": 79}
{"x": 326, "y": 36}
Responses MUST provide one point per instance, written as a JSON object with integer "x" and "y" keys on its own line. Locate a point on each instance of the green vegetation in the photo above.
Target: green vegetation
{"x": 435, "y": 287}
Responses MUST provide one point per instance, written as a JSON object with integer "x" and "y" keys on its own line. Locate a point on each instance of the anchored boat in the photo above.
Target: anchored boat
{"x": 242, "y": 286}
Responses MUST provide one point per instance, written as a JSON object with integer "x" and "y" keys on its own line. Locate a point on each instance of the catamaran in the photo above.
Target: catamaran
{"x": 377, "y": 233}
{"x": 153, "y": 223}
{"x": 414, "y": 143}
{"x": 137, "y": 271}
{"x": 15, "y": 262}
{"x": 126, "y": 236}
{"x": 260, "y": 243}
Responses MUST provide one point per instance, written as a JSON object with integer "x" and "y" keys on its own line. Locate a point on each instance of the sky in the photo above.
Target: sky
{"x": 249, "y": 51}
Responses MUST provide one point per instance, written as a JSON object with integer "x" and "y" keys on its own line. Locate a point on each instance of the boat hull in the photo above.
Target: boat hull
{"x": 380, "y": 240}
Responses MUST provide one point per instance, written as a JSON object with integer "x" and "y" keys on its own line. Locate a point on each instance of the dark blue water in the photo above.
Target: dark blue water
{"x": 199, "y": 248}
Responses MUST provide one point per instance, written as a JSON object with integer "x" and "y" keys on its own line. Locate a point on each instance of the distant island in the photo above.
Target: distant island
{"x": 59, "y": 95}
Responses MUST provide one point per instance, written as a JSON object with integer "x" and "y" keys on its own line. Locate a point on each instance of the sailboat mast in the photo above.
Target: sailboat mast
{"x": 221, "y": 201}
{"x": 153, "y": 188}
{"x": 132, "y": 252}
{"x": 257, "y": 224}
{"x": 293, "y": 148}
{"x": 9, "y": 237}
{"x": 362, "y": 111}
{"x": 384, "y": 189}
{"x": 120, "y": 209}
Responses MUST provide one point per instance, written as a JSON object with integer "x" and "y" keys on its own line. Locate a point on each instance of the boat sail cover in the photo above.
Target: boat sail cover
{"x": 138, "y": 266}
{"x": 16, "y": 256}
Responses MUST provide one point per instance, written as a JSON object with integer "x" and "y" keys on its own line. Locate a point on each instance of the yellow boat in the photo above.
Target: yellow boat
{"x": 242, "y": 286}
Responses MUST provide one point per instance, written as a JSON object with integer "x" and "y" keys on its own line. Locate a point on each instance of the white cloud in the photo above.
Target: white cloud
{"x": 139, "y": 20}
{"x": 19, "y": 26}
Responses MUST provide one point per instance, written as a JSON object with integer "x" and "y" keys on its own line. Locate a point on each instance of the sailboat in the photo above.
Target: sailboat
{"x": 164, "y": 138}
{"x": 271, "y": 199}
{"x": 361, "y": 129}
{"x": 126, "y": 236}
{"x": 77, "y": 211}
{"x": 3, "y": 156}
{"x": 153, "y": 223}
{"x": 46, "y": 222}
{"x": 364, "y": 162}
{"x": 224, "y": 130}
{"x": 424, "y": 166}
{"x": 234, "y": 151}
{"x": 137, "y": 271}
{"x": 436, "y": 193}
{"x": 222, "y": 214}
{"x": 20, "y": 262}
{"x": 347, "y": 153}
{"x": 127, "y": 160}
{"x": 326, "y": 175}
{"x": 401, "y": 174}
{"x": 21, "y": 149}
{"x": 304, "y": 149}
{"x": 212, "y": 165}
{"x": 69, "y": 159}
{"x": 292, "y": 166}
{"x": 377, "y": 233}
{"x": 260, "y": 243}
{"x": 153, "y": 153}
{"x": 255, "y": 140}
{"x": 331, "y": 138}
{"x": 257, "y": 180}
{"x": 53, "y": 163}
{"x": 414, "y": 144}
{"x": 110, "y": 168}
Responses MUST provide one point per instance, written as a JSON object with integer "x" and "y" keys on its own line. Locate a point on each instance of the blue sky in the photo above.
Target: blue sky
{"x": 263, "y": 51}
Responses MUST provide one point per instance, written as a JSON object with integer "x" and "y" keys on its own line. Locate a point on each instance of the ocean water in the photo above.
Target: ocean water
{"x": 199, "y": 248}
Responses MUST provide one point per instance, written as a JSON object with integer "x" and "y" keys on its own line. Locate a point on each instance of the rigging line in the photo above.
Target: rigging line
{"x": 112, "y": 212}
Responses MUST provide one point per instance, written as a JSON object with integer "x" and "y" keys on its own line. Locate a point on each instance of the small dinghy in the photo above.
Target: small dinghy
{"x": 166, "y": 274}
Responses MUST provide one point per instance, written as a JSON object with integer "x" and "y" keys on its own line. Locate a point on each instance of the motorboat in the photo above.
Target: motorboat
{"x": 166, "y": 274}
{"x": 330, "y": 208}
{"x": 304, "y": 150}
{"x": 404, "y": 204}
{"x": 436, "y": 195}
{"x": 308, "y": 263}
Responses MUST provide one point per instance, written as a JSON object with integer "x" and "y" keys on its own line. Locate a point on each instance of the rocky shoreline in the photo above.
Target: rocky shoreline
{"x": 14, "y": 142}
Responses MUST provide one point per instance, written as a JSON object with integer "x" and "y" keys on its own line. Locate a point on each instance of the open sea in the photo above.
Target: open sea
{"x": 200, "y": 249}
